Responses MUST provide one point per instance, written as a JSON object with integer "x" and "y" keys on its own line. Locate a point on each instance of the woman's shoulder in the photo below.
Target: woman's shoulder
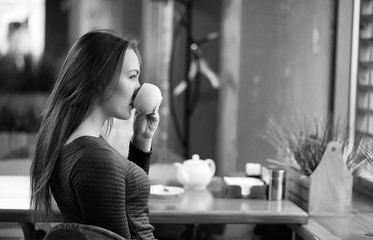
{"x": 91, "y": 152}
{"x": 89, "y": 145}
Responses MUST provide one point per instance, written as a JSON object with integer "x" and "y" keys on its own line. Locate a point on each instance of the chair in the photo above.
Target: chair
{"x": 78, "y": 231}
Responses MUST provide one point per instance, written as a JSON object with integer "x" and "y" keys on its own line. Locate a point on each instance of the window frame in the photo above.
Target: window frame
{"x": 346, "y": 92}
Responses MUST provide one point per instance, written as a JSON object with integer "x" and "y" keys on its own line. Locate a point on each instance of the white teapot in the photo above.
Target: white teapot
{"x": 195, "y": 173}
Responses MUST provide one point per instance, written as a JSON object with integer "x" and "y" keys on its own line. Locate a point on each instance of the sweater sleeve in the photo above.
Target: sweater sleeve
{"x": 100, "y": 189}
{"x": 139, "y": 157}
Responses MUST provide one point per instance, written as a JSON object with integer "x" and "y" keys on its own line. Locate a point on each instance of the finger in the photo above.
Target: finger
{"x": 154, "y": 117}
{"x": 137, "y": 113}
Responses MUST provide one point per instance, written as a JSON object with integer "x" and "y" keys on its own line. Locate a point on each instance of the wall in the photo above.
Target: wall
{"x": 204, "y": 120}
{"x": 285, "y": 65}
{"x": 203, "y": 137}
{"x": 118, "y": 15}
{"x": 285, "y": 68}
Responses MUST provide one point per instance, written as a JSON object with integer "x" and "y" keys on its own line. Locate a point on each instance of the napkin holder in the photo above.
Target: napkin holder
{"x": 244, "y": 187}
{"x": 328, "y": 190}
{"x": 257, "y": 192}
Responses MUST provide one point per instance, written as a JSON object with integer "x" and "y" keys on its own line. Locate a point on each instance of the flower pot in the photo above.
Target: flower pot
{"x": 328, "y": 190}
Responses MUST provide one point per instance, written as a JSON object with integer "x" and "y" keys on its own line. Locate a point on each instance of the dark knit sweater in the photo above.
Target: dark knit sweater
{"x": 94, "y": 184}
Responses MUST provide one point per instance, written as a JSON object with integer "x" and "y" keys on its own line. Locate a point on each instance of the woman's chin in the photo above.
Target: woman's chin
{"x": 125, "y": 115}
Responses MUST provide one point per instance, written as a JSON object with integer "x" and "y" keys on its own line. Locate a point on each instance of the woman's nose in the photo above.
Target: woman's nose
{"x": 138, "y": 85}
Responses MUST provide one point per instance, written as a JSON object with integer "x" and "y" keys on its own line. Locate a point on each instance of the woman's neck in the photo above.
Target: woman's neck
{"x": 91, "y": 125}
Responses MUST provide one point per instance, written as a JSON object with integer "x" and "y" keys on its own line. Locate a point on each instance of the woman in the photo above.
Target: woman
{"x": 90, "y": 181}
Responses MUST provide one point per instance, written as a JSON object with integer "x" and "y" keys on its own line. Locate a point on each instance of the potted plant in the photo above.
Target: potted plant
{"x": 320, "y": 160}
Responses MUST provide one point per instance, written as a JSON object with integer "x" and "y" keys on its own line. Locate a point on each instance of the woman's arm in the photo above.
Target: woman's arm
{"x": 144, "y": 127}
{"x": 140, "y": 158}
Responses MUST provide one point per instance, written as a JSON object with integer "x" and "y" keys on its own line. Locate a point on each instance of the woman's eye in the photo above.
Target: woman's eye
{"x": 133, "y": 77}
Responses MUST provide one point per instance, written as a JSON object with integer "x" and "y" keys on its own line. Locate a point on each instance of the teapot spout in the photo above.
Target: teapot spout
{"x": 181, "y": 175}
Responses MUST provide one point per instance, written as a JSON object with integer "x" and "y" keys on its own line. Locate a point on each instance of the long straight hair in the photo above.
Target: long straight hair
{"x": 92, "y": 65}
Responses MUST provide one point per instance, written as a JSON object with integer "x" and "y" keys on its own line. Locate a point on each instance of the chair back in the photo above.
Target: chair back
{"x": 77, "y": 231}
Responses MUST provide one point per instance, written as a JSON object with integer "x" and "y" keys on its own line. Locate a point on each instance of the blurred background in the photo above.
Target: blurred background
{"x": 224, "y": 67}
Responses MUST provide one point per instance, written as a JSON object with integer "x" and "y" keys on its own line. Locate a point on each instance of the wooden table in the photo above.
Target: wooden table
{"x": 191, "y": 207}
{"x": 203, "y": 207}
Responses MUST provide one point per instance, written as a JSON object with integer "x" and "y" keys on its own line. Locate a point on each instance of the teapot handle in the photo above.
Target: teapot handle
{"x": 211, "y": 163}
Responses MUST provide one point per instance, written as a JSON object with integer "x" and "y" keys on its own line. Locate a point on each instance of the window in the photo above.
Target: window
{"x": 361, "y": 85}
{"x": 364, "y": 81}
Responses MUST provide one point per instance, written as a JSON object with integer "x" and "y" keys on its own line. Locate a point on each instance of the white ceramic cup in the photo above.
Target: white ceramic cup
{"x": 148, "y": 99}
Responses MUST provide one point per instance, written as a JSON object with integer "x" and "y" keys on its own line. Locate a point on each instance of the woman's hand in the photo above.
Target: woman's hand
{"x": 144, "y": 127}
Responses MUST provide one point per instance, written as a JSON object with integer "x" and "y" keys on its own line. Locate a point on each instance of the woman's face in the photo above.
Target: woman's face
{"x": 119, "y": 105}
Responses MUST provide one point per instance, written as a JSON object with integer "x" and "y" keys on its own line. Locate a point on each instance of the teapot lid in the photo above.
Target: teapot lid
{"x": 195, "y": 159}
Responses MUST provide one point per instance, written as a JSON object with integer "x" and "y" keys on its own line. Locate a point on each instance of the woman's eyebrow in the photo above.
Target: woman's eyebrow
{"x": 134, "y": 70}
